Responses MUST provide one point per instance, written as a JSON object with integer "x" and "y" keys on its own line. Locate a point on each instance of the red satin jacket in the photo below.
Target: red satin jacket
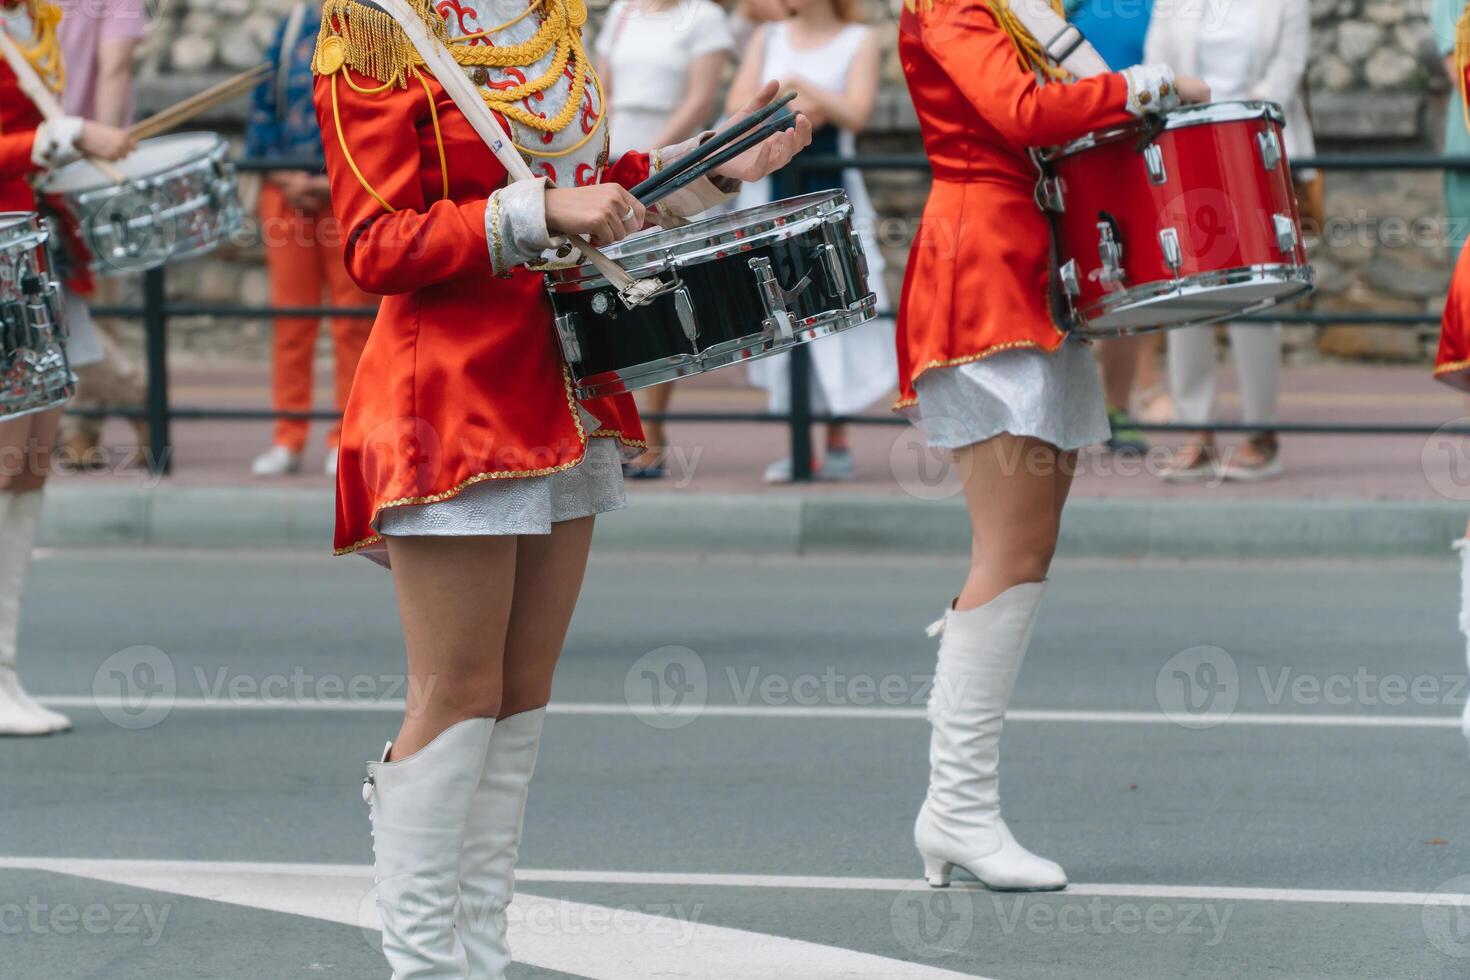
{"x": 462, "y": 379}
{"x": 978, "y": 277}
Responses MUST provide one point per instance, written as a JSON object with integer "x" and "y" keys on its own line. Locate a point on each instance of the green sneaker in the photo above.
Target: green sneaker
{"x": 1127, "y": 438}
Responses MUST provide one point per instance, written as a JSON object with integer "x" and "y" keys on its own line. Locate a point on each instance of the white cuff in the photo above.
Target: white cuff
{"x": 515, "y": 225}
{"x": 1151, "y": 90}
{"x": 56, "y": 142}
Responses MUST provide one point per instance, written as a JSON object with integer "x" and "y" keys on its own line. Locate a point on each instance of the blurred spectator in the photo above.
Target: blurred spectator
{"x": 662, "y": 63}
{"x": 303, "y": 243}
{"x": 833, "y": 64}
{"x": 748, "y": 15}
{"x": 98, "y": 43}
{"x": 1118, "y": 29}
{"x": 1249, "y": 49}
{"x": 1446, "y": 16}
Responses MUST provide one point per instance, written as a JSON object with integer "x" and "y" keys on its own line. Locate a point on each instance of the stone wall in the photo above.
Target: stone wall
{"x": 1376, "y": 83}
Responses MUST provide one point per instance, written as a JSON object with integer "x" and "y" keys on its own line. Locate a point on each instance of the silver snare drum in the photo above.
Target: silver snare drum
{"x": 34, "y": 372}
{"x": 738, "y": 286}
{"x": 181, "y": 200}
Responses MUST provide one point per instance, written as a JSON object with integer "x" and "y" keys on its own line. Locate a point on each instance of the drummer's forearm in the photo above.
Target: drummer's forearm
{"x": 114, "y": 92}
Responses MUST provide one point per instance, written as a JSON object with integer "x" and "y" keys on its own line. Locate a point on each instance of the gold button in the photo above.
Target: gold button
{"x": 1144, "y": 98}
{"x": 480, "y": 76}
{"x": 1164, "y": 90}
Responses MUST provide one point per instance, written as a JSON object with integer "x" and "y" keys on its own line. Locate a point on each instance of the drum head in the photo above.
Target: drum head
{"x": 1219, "y": 297}
{"x": 738, "y": 230}
{"x": 153, "y": 157}
{"x": 1195, "y": 115}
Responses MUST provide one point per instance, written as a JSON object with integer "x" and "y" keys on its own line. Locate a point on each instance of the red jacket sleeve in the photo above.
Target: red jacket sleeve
{"x": 15, "y": 155}
{"x": 630, "y": 170}
{"x": 964, "y": 38}
{"x": 396, "y": 241}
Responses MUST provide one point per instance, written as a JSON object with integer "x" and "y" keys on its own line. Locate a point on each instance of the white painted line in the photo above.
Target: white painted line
{"x": 662, "y": 940}
{"x": 127, "y": 871}
{"x": 776, "y": 712}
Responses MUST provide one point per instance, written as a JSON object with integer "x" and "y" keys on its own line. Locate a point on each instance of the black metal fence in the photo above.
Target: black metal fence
{"x": 156, "y": 311}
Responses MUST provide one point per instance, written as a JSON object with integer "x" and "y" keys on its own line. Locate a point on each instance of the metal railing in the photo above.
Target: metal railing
{"x": 156, "y": 311}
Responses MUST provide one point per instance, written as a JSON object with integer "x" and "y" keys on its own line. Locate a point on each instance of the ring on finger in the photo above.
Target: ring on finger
{"x": 629, "y": 216}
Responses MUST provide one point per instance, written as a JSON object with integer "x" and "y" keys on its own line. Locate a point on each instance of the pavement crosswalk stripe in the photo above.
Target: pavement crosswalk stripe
{"x": 818, "y": 712}
{"x": 583, "y": 940}
{"x": 245, "y": 875}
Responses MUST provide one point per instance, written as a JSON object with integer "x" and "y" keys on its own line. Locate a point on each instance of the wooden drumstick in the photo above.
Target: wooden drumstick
{"x": 196, "y": 105}
{"x": 37, "y": 91}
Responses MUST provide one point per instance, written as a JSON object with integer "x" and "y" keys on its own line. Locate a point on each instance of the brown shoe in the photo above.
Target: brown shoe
{"x": 79, "y": 451}
{"x": 1192, "y": 464}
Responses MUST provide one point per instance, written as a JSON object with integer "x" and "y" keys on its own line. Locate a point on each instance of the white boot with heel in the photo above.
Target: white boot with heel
{"x": 960, "y": 823}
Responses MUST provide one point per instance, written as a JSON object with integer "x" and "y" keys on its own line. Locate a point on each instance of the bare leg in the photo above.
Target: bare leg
{"x": 1015, "y": 489}
{"x": 548, "y": 581}
{"x": 454, "y": 598}
{"x": 25, "y": 450}
{"x": 1118, "y": 359}
{"x": 654, "y": 400}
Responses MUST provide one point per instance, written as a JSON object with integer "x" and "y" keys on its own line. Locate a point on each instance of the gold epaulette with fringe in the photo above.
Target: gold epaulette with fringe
{"x": 1029, "y": 51}
{"x": 370, "y": 42}
{"x": 44, "y": 51}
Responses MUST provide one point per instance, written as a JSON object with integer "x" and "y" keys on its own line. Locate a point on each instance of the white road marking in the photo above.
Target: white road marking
{"x": 593, "y": 941}
{"x": 246, "y": 874}
{"x": 824, "y": 713}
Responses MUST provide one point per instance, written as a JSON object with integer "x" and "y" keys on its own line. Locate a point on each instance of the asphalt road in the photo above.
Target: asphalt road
{"x": 1248, "y": 771}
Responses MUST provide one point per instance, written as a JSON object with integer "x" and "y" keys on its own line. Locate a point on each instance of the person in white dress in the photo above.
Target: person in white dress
{"x": 1254, "y": 49}
{"x": 833, "y": 63}
{"x": 662, "y": 63}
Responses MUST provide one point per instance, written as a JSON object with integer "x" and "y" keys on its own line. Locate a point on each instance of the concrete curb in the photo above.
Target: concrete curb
{"x": 786, "y": 523}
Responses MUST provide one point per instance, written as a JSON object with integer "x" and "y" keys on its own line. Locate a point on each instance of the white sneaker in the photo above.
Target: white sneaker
{"x": 21, "y": 715}
{"x": 276, "y": 461}
{"x": 331, "y": 467}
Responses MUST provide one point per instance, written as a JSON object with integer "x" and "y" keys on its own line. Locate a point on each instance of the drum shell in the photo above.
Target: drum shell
{"x": 35, "y": 375}
{"x": 611, "y": 349}
{"x": 1217, "y": 193}
{"x": 179, "y": 210}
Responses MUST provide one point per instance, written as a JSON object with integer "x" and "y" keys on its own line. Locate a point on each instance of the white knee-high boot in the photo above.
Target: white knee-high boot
{"x": 493, "y": 841}
{"x": 418, "y": 807}
{"x": 1463, "y": 547}
{"x": 960, "y": 823}
{"x": 20, "y": 517}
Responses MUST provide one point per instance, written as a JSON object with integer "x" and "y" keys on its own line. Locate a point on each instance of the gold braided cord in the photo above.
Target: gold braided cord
{"x": 45, "y": 54}
{"x": 1462, "y": 60}
{"x": 371, "y": 43}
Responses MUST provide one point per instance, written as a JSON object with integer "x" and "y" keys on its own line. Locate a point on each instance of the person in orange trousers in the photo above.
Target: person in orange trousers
{"x": 303, "y": 245}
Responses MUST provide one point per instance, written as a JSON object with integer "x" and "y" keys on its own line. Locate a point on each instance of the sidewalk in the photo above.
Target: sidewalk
{"x": 1415, "y": 490}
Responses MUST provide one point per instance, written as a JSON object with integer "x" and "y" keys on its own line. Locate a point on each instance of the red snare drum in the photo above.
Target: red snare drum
{"x": 1195, "y": 223}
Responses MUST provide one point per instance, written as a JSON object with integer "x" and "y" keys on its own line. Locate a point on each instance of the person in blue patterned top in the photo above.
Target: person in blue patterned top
{"x": 303, "y": 242}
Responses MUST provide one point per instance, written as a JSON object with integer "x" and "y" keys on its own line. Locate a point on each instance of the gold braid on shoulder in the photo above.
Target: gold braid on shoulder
{"x": 371, "y": 43}
{"x": 1029, "y": 51}
{"x": 44, "y": 53}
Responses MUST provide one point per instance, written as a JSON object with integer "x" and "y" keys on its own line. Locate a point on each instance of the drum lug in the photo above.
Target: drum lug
{"x": 1153, "y": 157}
{"x": 1110, "y": 252}
{"x": 777, "y": 298}
{"x": 1270, "y": 145}
{"x": 684, "y": 309}
{"x": 1286, "y": 236}
{"x": 836, "y": 276}
{"x": 1173, "y": 251}
{"x": 566, "y": 332}
{"x": 1051, "y": 194}
{"x": 1071, "y": 283}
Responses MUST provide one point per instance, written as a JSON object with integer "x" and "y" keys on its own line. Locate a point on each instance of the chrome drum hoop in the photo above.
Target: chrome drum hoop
{"x": 709, "y": 239}
{"x": 1213, "y": 113}
{"x": 35, "y": 375}
{"x": 177, "y": 211}
{"x": 1302, "y": 277}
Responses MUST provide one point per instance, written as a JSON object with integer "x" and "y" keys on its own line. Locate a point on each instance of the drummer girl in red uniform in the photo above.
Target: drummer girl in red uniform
{"x": 988, "y": 371}
{"x": 1452, "y": 365}
{"x": 466, "y": 459}
{"x": 29, "y": 146}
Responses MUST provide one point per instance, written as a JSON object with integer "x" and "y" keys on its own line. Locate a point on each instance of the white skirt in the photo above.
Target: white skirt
{"x": 1056, "y": 398}
{"x": 82, "y": 346}
{"x": 529, "y": 505}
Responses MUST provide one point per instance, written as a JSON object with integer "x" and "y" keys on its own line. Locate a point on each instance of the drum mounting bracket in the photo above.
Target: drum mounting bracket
{"x": 566, "y": 332}
{"x": 1270, "y": 145}
{"x": 776, "y": 298}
